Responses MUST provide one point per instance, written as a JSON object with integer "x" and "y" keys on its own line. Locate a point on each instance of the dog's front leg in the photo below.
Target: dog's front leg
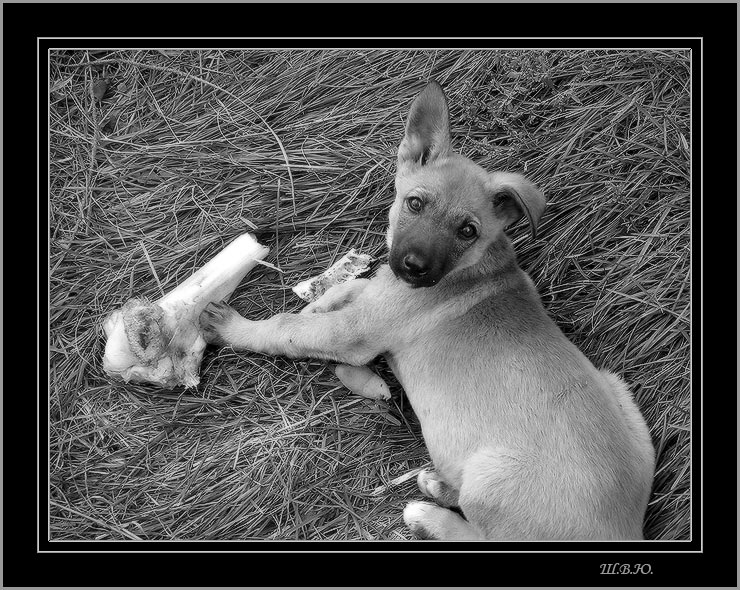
{"x": 336, "y": 335}
{"x": 337, "y": 296}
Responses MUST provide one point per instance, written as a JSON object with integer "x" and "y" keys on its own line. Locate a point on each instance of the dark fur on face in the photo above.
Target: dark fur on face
{"x": 442, "y": 220}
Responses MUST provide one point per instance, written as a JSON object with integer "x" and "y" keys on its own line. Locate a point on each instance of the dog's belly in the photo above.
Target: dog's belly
{"x": 457, "y": 415}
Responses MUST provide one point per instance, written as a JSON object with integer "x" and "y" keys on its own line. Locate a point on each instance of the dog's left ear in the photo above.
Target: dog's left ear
{"x": 427, "y": 128}
{"x": 514, "y": 196}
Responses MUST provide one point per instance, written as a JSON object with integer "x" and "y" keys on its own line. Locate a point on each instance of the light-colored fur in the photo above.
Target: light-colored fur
{"x": 532, "y": 439}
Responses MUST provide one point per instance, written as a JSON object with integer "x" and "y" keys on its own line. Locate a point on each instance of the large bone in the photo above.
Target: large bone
{"x": 161, "y": 342}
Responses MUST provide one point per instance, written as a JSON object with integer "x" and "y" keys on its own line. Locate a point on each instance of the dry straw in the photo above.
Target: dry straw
{"x": 185, "y": 150}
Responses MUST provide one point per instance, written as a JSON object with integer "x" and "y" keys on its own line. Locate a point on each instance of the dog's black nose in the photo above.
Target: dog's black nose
{"x": 415, "y": 265}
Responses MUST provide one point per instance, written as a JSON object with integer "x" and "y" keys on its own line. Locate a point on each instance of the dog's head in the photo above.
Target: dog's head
{"x": 448, "y": 210}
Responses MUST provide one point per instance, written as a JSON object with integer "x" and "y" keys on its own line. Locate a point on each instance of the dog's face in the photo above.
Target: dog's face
{"x": 448, "y": 210}
{"x": 442, "y": 219}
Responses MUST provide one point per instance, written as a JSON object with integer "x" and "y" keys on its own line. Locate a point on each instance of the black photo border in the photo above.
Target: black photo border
{"x": 29, "y": 559}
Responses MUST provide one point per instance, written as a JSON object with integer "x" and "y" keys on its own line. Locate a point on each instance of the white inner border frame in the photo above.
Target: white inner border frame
{"x": 379, "y": 550}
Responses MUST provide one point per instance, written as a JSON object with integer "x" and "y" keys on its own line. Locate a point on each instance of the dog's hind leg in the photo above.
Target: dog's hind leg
{"x": 433, "y": 486}
{"x": 490, "y": 495}
{"x": 429, "y": 521}
{"x": 495, "y": 495}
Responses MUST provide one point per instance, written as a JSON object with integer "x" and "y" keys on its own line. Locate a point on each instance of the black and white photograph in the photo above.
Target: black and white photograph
{"x": 392, "y": 299}
{"x": 370, "y": 294}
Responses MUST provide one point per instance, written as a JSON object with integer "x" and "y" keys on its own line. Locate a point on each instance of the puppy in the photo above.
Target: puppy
{"x": 527, "y": 437}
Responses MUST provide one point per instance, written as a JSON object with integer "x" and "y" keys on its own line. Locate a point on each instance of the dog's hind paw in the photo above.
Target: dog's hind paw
{"x": 433, "y": 486}
{"x": 430, "y": 521}
{"x": 416, "y": 515}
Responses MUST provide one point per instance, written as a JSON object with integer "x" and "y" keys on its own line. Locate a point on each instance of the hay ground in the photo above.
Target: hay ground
{"x": 186, "y": 150}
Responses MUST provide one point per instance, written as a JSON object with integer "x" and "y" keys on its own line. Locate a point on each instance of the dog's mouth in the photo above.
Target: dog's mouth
{"x": 415, "y": 280}
{"x": 416, "y": 283}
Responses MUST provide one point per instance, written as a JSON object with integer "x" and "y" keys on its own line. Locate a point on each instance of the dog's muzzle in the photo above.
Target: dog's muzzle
{"x": 415, "y": 269}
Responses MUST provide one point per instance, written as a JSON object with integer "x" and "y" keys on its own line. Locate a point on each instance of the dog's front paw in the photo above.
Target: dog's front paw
{"x": 215, "y": 320}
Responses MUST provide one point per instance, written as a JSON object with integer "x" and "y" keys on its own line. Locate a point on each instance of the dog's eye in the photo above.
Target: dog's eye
{"x": 415, "y": 204}
{"x": 468, "y": 231}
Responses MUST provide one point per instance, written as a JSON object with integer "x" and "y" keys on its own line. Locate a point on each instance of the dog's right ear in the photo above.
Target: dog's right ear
{"x": 427, "y": 128}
